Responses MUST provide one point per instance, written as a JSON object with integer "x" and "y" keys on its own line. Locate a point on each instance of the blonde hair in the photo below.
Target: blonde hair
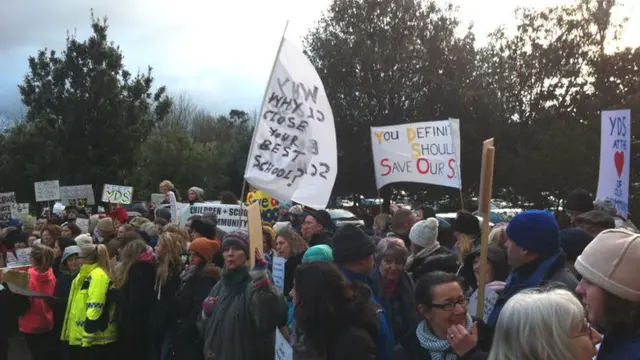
{"x": 97, "y": 253}
{"x": 168, "y": 184}
{"x": 42, "y": 256}
{"x": 172, "y": 248}
{"x": 548, "y": 317}
{"x": 382, "y": 221}
{"x": 464, "y": 245}
{"x": 130, "y": 253}
{"x": 498, "y": 236}
{"x": 181, "y": 232}
{"x": 297, "y": 245}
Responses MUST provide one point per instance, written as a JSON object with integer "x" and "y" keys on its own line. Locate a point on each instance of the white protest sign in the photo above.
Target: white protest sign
{"x": 6, "y": 201}
{"x": 117, "y": 194}
{"x": 173, "y": 208}
{"x": 157, "y": 199}
{"x": 229, "y": 218}
{"x": 422, "y": 152}
{"x": 283, "y": 349}
{"x": 278, "y": 272}
{"x": 47, "y": 190}
{"x": 77, "y": 195}
{"x": 19, "y": 210}
{"x": 293, "y": 154}
{"x": 20, "y": 259}
{"x": 615, "y": 157}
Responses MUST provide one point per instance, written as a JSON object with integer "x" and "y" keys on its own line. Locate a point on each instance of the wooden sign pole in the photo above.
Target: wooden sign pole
{"x": 486, "y": 184}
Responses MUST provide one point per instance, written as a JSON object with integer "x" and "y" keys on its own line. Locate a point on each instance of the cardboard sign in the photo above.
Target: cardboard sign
{"x": 19, "y": 210}
{"x": 117, "y": 194}
{"x": 229, "y": 217}
{"x": 77, "y": 195}
{"x": 47, "y": 190}
{"x": 283, "y": 349}
{"x": 615, "y": 159}
{"x": 425, "y": 152}
{"x": 278, "y": 272}
{"x": 6, "y": 201}
{"x": 255, "y": 231}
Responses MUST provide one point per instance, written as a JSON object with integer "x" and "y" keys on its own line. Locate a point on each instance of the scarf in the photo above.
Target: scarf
{"x": 187, "y": 274}
{"x": 438, "y": 349}
{"x": 235, "y": 280}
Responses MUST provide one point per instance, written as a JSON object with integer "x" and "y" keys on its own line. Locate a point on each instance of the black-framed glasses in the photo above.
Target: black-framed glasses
{"x": 448, "y": 306}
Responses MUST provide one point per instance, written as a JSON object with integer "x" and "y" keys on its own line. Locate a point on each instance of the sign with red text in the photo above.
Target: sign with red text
{"x": 293, "y": 155}
{"x": 422, "y": 152}
{"x": 615, "y": 156}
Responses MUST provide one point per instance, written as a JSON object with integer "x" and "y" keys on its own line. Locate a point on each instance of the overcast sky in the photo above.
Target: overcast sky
{"x": 219, "y": 52}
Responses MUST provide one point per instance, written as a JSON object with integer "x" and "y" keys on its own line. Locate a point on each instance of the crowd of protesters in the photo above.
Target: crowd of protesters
{"x": 142, "y": 289}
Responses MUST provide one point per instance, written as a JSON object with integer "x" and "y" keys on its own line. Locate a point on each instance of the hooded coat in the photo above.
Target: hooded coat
{"x": 135, "y": 300}
{"x": 39, "y": 318}
{"x": 63, "y": 288}
{"x": 247, "y": 309}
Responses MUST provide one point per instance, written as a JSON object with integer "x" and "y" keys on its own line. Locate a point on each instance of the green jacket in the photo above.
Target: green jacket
{"x": 86, "y": 302}
{"x": 240, "y": 315}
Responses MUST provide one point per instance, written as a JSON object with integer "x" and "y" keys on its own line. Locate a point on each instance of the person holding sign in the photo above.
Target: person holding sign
{"x": 241, "y": 311}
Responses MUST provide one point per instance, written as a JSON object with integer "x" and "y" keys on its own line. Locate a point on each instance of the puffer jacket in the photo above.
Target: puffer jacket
{"x": 87, "y": 300}
{"x": 246, "y": 308}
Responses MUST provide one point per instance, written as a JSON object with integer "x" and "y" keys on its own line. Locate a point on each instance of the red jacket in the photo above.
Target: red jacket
{"x": 39, "y": 318}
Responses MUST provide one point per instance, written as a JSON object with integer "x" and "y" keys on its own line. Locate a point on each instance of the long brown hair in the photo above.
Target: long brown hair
{"x": 42, "y": 257}
{"x": 172, "y": 248}
{"x": 130, "y": 253}
{"x": 297, "y": 245}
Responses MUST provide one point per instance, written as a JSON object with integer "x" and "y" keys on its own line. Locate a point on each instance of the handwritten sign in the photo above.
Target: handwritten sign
{"x": 77, "y": 195}
{"x": 283, "y": 349}
{"x": 20, "y": 258}
{"x": 117, "y": 194}
{"x": 229, "y": 217}
{"x": 615, "y": 157}
{"x": 278, "y": 272}
{"x": 157, "y": 199}
{"x": 293, "y": 155}
{"x": 47, "y": 190}
{"x": 420, "y": 152}
{"x": 19, "y": 210}
{"x": 6, "y": 201}
{"x": 83, "y": 224}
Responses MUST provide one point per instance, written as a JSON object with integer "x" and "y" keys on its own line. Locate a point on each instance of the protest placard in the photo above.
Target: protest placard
{"x": 22, "y": 257}
{"x": 615, "y": 158}
{"x": 229, "y": 217}
{"x": 47, "y": 190}
{"x": 117, "y": 194}
{"x": 6, "y": 202}
{"x": 83, "y": 224}
{"x": 157, "y": 199}
{"x": 420, "y": 152}
{"x": 19, "y": 210}
{"x": 293, "y": 154}
{"x": 77, "y": 195}
{"x": 278, "y": 272}
{"x": 283, "y": 349}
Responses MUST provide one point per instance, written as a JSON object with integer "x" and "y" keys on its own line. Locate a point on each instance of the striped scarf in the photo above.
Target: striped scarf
{"x": 438, "y": 349}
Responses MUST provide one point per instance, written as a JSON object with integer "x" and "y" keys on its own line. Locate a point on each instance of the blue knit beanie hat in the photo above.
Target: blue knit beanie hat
{"x": 535, "y": 230}
{"x": 320, "y": 252}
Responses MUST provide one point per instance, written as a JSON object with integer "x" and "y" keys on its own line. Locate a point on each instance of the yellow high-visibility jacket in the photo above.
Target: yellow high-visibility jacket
{"x": 86, "y": 303}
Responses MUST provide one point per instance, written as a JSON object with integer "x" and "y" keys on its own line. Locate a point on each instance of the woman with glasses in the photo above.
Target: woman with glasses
{"x": 537, "y": 325}
{"x": 446, "y": 330}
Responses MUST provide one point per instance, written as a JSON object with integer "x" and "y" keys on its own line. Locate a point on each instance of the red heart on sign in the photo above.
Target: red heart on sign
{"x": 618, "y": 159}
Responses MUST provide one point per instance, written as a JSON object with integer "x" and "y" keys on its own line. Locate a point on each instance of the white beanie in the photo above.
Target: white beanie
{"x": 83, "y": 239}
{"x": 425, "y": 234}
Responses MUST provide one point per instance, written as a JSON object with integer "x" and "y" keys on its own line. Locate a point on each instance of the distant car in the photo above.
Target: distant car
{"x": 138, "y": 208}
{"x": 341, "y": 217}
{"x": 450, "y": 218}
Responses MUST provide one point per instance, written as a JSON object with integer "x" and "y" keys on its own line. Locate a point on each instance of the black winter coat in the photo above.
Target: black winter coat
{"x": 134, "y": 303}
{"x": 164, "y": 310}
{"x": 186, "y": 343}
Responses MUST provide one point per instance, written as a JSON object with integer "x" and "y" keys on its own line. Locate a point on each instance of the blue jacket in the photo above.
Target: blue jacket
{"x": 622, "y": 345}
{"x": 385, "y": 342}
